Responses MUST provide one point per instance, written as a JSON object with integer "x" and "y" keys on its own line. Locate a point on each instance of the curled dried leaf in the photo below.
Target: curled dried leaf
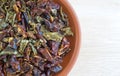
{"x": 3, "y": 24}
{"x": 23, "y": 45}
{"x": 55, "y": 36}
{"x": 33, "y": 49}
{"x": 36, "y": 72}
{"x": 46, "y": 54}
{"x": 56, "y": 68}
{"x": 54, "y": 46}
{"x": 18, "y": 3}
{"x": 67, "y": 31}
{"x": 51, "y": 18}
{"x": 16, "y": 9}
{"x": 18, "y": 16}
{"x": 8, "y": 51}
{"x": 65, "y": 47}
{"x": 8, "y": 39}
{"x": 31, "y": 34}
{"x": 21, "y": 30}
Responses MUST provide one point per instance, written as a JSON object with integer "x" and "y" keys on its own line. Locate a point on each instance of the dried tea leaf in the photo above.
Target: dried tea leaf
{"x": 51, "y": 18}
{"x": 62, "y": 13}
{"x": 39, "y": 19}
{"x": 16, "y": 9}
{"x": 21, "y": 30}
{"x": 33, "y": 49}
{"x": 65, "y": 46}
{"x": 67, "y": 31}
{"x": 10, "y": 17}
{"x": 32, "y": 37}
{"x": 54, "y": 46}
{"x": 46, "y": 53}
{"x": 31, "y": 34}
{"x": 23, "y": 45}
{"x": 8, "y": 51}
{"x": 8, "y": 39}
{"x": 56, "y": 69}
{"x": 38, "y": 43}
{"x": 1, "y": 46}
{"x": 55, "y": 36}
{"x": 3, "y": 24}
{"x": 33, "y": 25}
{"x": 26, "y": 20}
{"x": 23, "y": 8}
{"x": 36, "y": 72}
{"x": 54, "y": 12}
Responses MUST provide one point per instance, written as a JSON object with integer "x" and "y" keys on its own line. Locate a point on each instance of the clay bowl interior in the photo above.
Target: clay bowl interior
{"x": 71, "y": 57}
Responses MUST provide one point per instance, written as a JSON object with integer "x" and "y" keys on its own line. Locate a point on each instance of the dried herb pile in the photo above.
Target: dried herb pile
{"x": 32, "y": 37}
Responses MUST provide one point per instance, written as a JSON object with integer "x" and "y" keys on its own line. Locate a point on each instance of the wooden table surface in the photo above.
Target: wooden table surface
{"x": 100, "y": 47}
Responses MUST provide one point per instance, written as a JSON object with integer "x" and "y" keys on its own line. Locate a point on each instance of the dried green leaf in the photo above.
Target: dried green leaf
{"x": 23, "y": 45}
{"x": 33, "y": 25}
{"x": 19, "y": 55}
{"x": 62, "y": 13}
{"x": 3, "y": 24}
{"x": 67, "y": 31}
{"x": 39, "y": 19}
{"x": 33, "y": 49}
{"x": 24, "y": 7}
{"x": 8, "y": 39}
{"x": 43, "y": 29}
{"x": 13, "y": 19}
{"x": 55, "y": 36}
{"x": 1, "y": 47}
{"x": 31, "y": 34}
{"x": 9, "y": 51}
{"x": 38, "y": 43}
{"x": 10, "y": 17}
{"x": 1, "y": 7}
{"x": 20, "y": 30}
{"x": 54, "y": 12}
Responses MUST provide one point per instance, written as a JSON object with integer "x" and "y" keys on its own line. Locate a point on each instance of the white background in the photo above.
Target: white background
{"x": 100, "y": 48}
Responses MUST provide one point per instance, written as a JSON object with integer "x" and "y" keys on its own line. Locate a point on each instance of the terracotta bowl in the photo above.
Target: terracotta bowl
{"x": 71, "y": 57}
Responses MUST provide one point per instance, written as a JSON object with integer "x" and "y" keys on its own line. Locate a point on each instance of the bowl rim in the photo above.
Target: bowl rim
{"x": 73, "y": 59}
